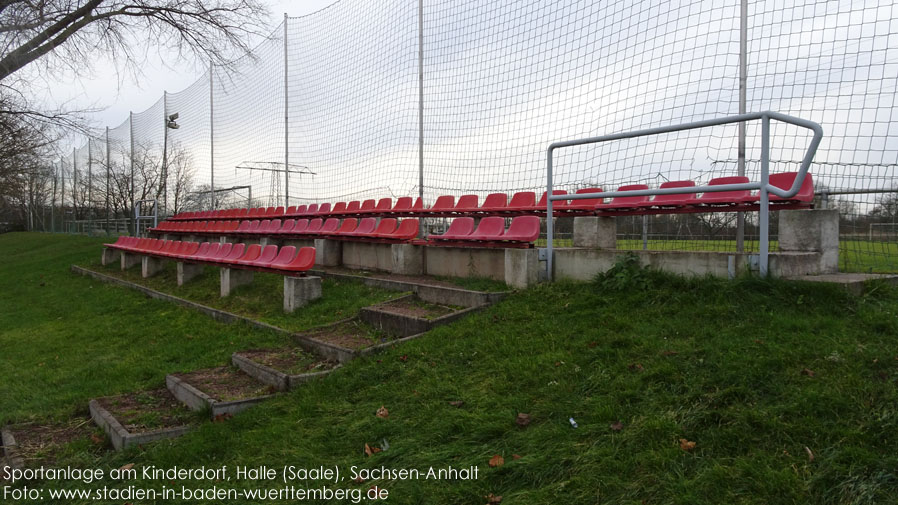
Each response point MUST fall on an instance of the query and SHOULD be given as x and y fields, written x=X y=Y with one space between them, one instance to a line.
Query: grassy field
x=789 y=391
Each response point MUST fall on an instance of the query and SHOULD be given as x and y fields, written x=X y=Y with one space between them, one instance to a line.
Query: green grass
x=716 y=362
x=261 y=300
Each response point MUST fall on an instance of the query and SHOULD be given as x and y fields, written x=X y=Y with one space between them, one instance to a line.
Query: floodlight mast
x=170 y=123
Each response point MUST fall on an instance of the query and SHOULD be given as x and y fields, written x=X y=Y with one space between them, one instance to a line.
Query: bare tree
x=180 y=165
x=65 y=35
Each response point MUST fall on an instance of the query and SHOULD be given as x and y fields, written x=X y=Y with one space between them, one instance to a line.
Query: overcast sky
x=118 y=94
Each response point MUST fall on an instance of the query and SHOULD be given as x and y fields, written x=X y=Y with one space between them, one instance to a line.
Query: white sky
x=117 y=95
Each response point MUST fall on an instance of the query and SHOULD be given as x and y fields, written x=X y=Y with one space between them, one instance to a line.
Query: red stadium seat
x=311 y=210
x=784 y=181
x=459 y=229
x=494 y=202
x=329 y=226
x=385 y=227
x=347 y=226
x=324 y=209
x=384 y=206
x=541 y=205
x=407 y=230
x=523 y=201
x=625 y=202
x=725 y=198
x=284 y=257
x=675 y=200
x=210 y=252
x=303 y=261
x=490 y=228
x=338 y=209
x=522 y=229
x=353 y=207
x=291 y=211
x=587 y=204
x=268 y=255
x=444 y=204
x=287 y=227
x=302 y=225
x=234 y=254
x=314 y=226
x=466 y=204
x=366 y=227
x=367 y=207
x=403 y=204
x=251 y=254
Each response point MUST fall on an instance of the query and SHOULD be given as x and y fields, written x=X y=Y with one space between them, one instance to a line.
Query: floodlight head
x=174 y=117
x=173 y=125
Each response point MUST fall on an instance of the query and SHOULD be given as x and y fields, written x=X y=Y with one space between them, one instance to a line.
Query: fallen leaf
x=220 y=418
x=636 y=367
x=515 y=456
x=557 y=363
x=810 y=453
x=358 y=480
x=96 y=439
x=669 y=353
x=403 y=358
x=491 y=499
x=686 y=445
x=371 y=451
x=457 y=403
x=127 y=467
x=497 y=461
x=593 y=344
x=617 y=426
x=522 y=420
x=382 y=412
x=808 y=372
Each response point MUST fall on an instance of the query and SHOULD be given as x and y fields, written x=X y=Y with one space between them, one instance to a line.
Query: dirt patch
x=412 y=279
x=44 y=444
x=415 y=307
x=145 y=411
x=226 y=384
x=291 y=361
x=351 y=334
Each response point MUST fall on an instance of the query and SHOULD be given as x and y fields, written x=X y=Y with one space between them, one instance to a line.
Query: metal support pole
x=743 y=82
x=90 y=188
x=764 y=213
x=108 y=166
x=74 y=185
x=211 y=138
x=62 y=192
x=421 y=99
x=53 y=204
x=164 y=151
x=645 y=232
x=550 y=228
x=286 y=124
x=133 y=208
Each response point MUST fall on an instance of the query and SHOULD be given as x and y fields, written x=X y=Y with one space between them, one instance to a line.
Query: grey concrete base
x=11 y=455
x=466 y=262
x=129 y=260
x=187 y=271
x=198 y=400
x=110 y=256
x=402 y=325
x=522 y=267
x=584 y=264
x=811 y=231
x=407 y=259
x=232 y=278
x=856 y=284
x=273 y=377
x=150 y=266
x=367 y=256
x=595 y=232
x=120 y=437
x=328 y=253
x=299 y=291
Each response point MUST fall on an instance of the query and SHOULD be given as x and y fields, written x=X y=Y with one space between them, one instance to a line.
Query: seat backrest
x=386 y=226
x=203 y=249
x=288 y=225
x=211 y=251
x=353 y=206
x=367 y=206
x=314 y=225
x=252 y=253
x=786 y=179
x=419 y=204
x=269 y=211
x=630 y=199
x=495 y=201
x=523 y=229
x=403 y=203
x=223 y=251
x=339 y=208
x=366 y=226
x=384 y=205
x=274 y=226
x=312 y=209
x=235 y=253
x=254 y=225
x=348 y=225
x=523 y=199
x=304 y=260
x=301 y=225
x=490 y=228
x=324 y=209
x=279 y=211
x=290 y=210
x=726 y=196
x=269 y=253
x=407 y=230
x=541 y=204
x=330 y=225
x=461 y=226
x=284 y=257
x=301 y=209
x=661 y=199
x=244 y=226
x=466 y=203
x=443 y=203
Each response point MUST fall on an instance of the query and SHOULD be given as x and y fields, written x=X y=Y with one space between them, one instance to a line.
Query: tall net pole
x=165 y=151
x=107 y=180
x=90 y=188
x=421 y=99
x=286 y=122
x=743 y=85
x=131 y=130
x=211 y=134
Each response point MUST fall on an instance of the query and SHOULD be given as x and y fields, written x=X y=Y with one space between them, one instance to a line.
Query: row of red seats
x=490 y=232
x=285 y=260
x=525 y=202
x=709 y=201
x=389 y=229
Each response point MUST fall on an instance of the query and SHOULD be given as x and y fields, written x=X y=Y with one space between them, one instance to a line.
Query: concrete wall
x=368 y=256
x=465 y=262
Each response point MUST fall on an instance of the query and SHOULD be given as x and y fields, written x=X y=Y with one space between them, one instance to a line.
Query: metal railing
x=763 y=186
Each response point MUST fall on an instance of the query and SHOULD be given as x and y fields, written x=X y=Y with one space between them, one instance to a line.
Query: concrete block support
x=129 y=260
x=298 y=291
x=811 y=231
x=328 y=253
x=110 y=256
x=232 y=278
x=407 y=259
x=595 y=232
x=367 y=256
x=521 y=267
x=187 y=271
x=466 y=262
x=150 y=266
